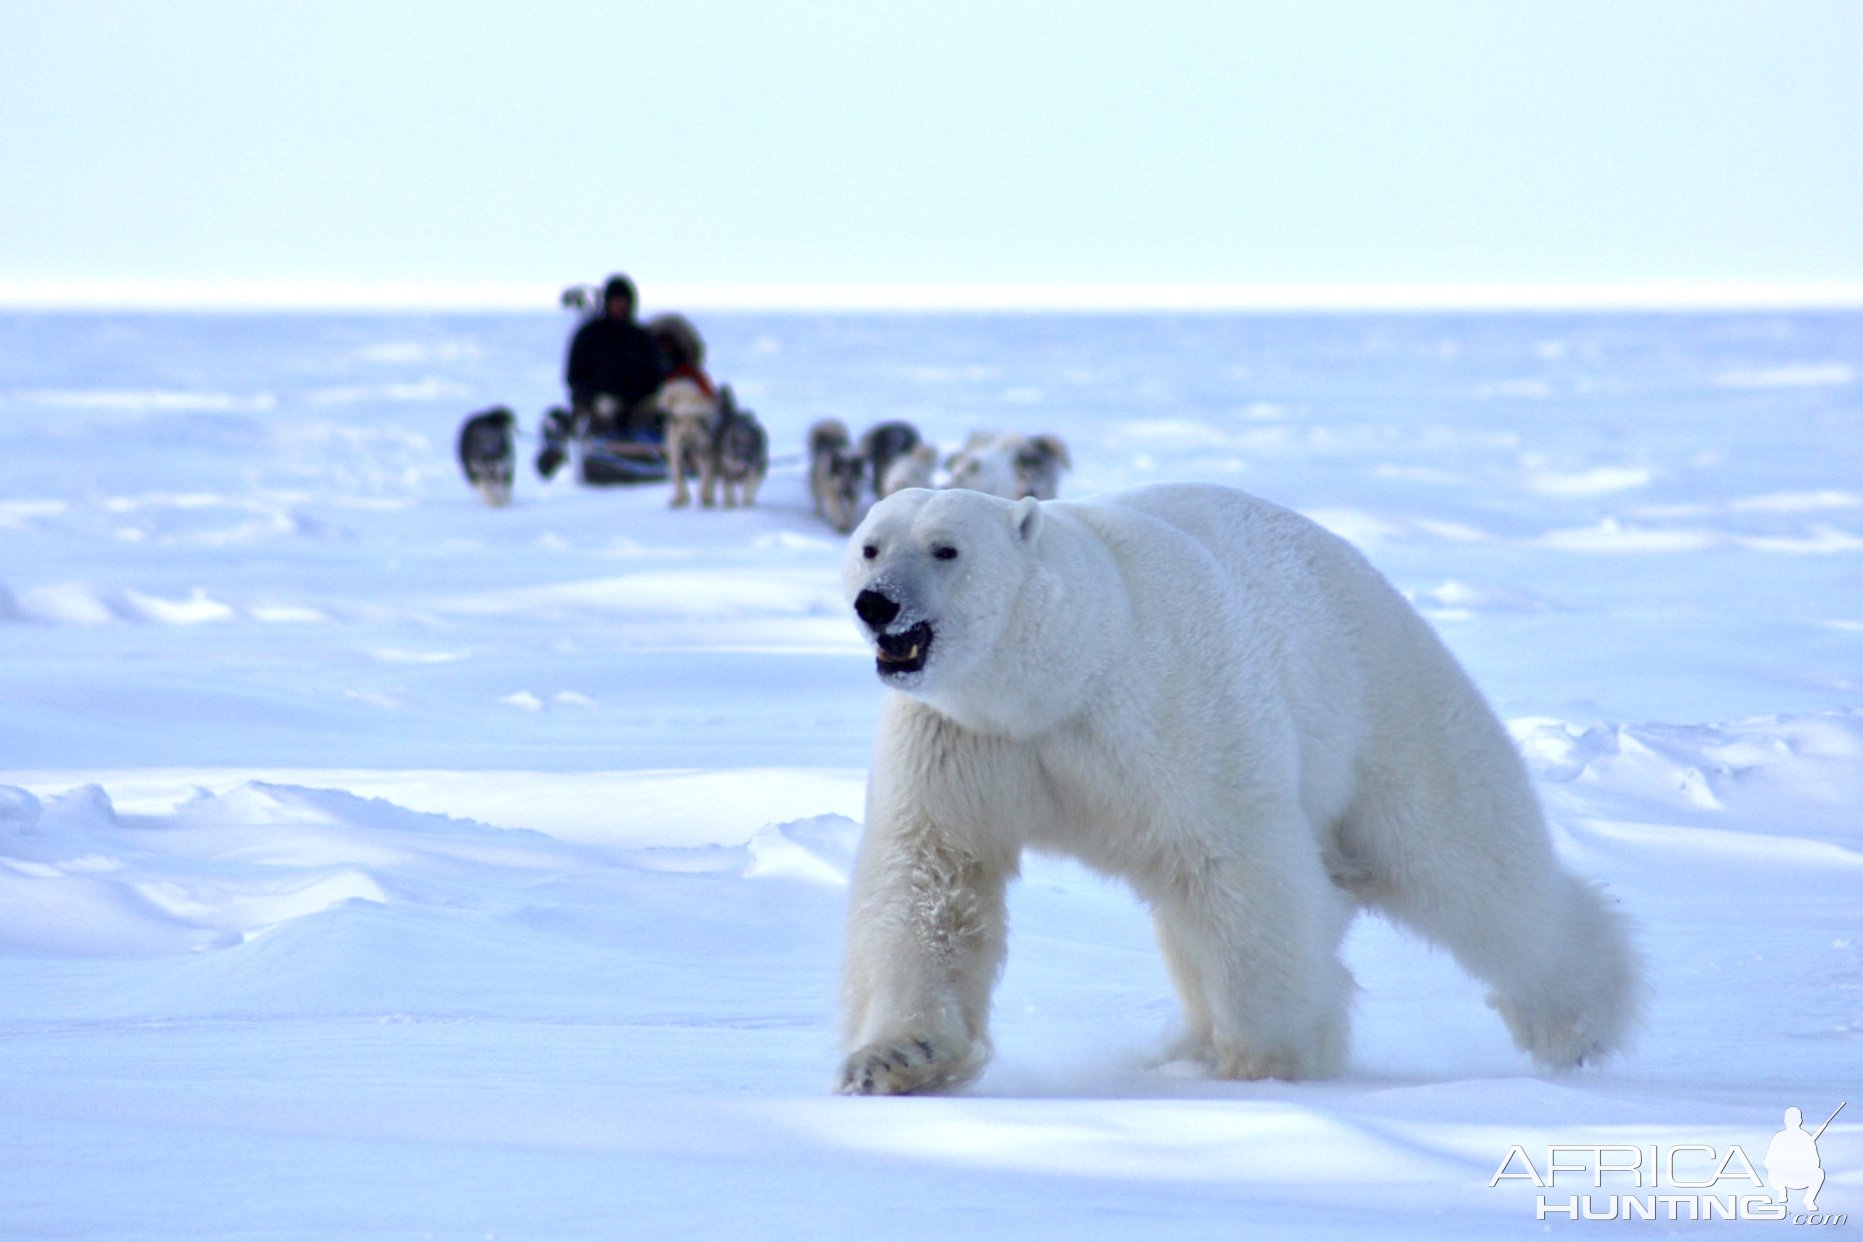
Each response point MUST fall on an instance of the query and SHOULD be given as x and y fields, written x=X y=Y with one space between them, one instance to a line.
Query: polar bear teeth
x=904 y=652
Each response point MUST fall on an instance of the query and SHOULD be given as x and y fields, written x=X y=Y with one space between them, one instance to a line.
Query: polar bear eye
x=870 y=552
x=945 y=552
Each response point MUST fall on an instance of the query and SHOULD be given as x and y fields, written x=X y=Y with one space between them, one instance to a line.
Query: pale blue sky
x=728 y=142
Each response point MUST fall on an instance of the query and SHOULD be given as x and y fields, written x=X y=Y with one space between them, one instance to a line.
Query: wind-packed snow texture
x=377 y=864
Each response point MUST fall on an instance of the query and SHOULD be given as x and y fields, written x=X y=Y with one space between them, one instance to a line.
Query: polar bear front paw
x=1321 y=1053
x=909 y=1064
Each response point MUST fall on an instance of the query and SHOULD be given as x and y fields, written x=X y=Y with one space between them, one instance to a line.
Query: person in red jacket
x=682 y=352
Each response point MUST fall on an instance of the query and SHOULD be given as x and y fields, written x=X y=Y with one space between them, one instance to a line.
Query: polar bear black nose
x=875 y=609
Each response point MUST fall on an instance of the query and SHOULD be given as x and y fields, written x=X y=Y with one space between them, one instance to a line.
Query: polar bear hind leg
x=1469 y=866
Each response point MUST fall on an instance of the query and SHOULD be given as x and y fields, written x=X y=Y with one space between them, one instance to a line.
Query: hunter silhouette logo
x=1792 y=1159
x=1686 y=1181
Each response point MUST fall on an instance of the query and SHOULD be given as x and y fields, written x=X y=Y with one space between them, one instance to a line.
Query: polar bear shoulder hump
x=1228 y=523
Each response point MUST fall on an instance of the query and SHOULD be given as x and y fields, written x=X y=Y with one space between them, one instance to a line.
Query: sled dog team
x=643 y=409
x=891 y=456
x=677 y=425
x=708 y=436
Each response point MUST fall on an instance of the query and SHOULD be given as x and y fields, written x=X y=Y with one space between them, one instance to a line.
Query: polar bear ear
x=1025 y=519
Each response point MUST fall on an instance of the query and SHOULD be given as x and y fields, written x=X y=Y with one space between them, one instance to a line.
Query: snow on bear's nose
x=875 y=609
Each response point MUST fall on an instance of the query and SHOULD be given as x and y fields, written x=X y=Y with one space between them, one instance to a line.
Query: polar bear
x=1226 y=705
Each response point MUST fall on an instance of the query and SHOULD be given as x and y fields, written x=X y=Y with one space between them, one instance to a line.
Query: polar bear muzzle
x=904 y=652
x=898 y=653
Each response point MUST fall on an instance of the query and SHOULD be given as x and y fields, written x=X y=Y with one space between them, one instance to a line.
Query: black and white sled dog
x=835 y=474
x=556 y=431
x=488 y=453
x=1010 y=465
x=884 y=443
x=743 y=450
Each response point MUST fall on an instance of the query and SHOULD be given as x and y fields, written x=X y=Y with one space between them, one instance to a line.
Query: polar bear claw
x=917 y=1063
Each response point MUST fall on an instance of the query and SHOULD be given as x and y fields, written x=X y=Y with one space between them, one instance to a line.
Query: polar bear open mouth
x=904 y=652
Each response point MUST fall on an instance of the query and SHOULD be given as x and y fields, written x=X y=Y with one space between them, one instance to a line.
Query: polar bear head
x=941 y=582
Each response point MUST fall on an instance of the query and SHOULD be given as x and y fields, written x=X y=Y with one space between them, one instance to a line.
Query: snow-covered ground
x=377 y=864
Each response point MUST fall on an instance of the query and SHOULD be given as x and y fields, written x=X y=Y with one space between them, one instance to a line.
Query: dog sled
x=603 y=456
x=717 y=441
x=609 y=445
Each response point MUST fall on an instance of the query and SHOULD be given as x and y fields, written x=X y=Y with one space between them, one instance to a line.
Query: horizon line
x=1101 y=297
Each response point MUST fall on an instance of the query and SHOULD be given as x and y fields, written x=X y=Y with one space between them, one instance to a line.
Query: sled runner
x=603 y=456
x=638 y=458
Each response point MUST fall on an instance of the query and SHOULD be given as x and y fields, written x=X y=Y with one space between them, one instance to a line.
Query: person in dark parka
x=612 y=356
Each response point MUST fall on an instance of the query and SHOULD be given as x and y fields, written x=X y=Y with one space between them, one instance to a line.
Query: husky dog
x=1039 y=464
x=835 y=474
x=913 y=470
x=557 y=430
x=987 y=463
x=692 y=425
x=1009 y=465
x=884 y=443
x=488 y=453
x=743 y=451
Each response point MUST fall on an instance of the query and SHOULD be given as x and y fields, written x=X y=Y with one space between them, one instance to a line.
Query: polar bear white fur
x=1226 y=705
